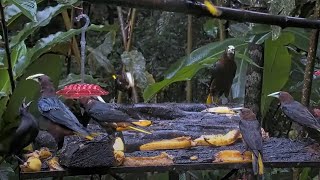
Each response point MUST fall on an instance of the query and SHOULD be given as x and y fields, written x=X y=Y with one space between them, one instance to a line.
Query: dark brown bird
x=106 y=115
x=251 y=134
x=223 y=73
x=124 y=82
x=61 y=121
x=296 y=111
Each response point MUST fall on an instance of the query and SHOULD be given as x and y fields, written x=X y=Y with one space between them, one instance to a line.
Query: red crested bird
x=251 y=134
x=296 y=111
x=61 y=121
x=223 y=73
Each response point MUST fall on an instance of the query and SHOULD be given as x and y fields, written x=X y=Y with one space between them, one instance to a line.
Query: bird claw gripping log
x=83 y=41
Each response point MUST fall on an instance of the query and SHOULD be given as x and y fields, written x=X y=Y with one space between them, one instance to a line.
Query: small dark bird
x=27 y=131
x=62 y=122
x=124 y=82
x=296 y=111
x=223 y=73
x=251 y=134
x=106 y=115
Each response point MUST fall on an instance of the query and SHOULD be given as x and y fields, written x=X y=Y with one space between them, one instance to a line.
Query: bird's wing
x=251 y=134
x=300 y=114
x=105 y=113
x=53 y=109
x=22 y=136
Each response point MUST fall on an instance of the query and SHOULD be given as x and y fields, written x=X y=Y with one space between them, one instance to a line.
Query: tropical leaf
x=277 y=65
x=47 y=43
x=28 y=8
x=43 y=19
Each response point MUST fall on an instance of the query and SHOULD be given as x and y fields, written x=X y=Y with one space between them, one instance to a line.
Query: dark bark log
x=253 y=90
x=239 y=15
x=79 y=153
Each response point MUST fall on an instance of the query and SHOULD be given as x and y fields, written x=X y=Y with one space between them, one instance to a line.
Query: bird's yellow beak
x=114 y=76
x=34 y=77
x=275 y=94
x=237 y=109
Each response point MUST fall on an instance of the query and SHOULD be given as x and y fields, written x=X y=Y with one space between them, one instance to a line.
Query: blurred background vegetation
x=40 y=40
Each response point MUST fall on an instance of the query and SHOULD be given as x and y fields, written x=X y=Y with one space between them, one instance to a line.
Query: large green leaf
x=27 y=7
x=202 y=53
x=277 y=65
x=12 y=12
x=48 y=64
x=43 y=19
x=47 y=43
x=301 y=37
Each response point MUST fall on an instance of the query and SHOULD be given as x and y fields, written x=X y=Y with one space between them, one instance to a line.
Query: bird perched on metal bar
x=222 y=76
x=106 y=115
x=62 y=122
x=251 y=134
x=296 y=111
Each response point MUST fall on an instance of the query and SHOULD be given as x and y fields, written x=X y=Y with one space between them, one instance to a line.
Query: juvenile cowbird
x=61 y=121
x=105 y=114
x=296 y=111
x=251 y=134
x=222 y=76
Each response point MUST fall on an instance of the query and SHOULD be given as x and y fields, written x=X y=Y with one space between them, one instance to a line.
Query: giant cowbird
x=62 y=122
x=27 y=131
x=223 y=73
x=251 y=134
x=296 y=111
x=105 y=114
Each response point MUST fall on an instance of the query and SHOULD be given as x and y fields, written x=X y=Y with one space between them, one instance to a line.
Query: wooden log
x=79 y=153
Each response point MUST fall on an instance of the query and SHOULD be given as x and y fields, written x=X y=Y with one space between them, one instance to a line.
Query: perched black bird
x=251 y=134
x=26 y=132
x=124 y=82
x=223 y=73
x=296 y=111
x=62 y=122
x=105 y=114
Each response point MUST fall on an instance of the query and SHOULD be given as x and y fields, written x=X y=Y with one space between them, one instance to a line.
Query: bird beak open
x=275 y=94
x=34 y=77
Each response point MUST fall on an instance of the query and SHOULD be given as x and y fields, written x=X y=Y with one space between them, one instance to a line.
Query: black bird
x=62 y=122
x=223 y=73
x=105 y=114
x=25 y=134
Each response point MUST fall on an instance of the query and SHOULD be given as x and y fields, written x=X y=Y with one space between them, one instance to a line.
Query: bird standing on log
x=223 y=73
x=106 y=115
x=251 y=133
x=296 y=111
x=62 y=122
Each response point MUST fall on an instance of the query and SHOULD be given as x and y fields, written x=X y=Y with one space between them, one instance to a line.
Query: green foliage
x=28 y=8
x=187 y=67
x=277 y=65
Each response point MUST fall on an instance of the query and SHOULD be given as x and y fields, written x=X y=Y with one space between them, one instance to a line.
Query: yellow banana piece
x=218 y=139
x=142 y=123
x=211 y=8
x=176 y=143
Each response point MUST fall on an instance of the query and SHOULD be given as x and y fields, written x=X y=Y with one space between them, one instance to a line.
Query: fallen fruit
x=176 y=143
x=33 y=164
x=219 y=139
x=161 y=160
x=233 y=156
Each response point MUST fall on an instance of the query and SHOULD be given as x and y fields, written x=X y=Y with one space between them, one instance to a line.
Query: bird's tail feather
x=257 y=163
x=139 y=130
x=209 y=99
x=211 y=8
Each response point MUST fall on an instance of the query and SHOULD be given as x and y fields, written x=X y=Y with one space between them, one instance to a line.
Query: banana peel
x=142 y=123
x=233 y=156
x=33 y=164
x=119 y=157
x=54 y=165
x=163 y=159
x=219 y=139
x=44 y=153
x=176 y=143
x=220 y=110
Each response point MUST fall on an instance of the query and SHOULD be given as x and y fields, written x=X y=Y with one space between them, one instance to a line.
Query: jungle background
x=43 y=37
